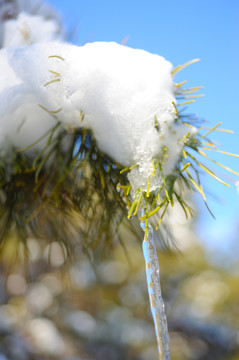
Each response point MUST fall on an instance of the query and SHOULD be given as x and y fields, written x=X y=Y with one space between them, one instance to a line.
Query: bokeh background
x=53 y=309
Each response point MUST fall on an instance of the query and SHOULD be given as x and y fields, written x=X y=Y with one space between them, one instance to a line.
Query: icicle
x=155 y=295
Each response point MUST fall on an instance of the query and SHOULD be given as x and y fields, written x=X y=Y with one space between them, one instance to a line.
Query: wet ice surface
x=155 y=294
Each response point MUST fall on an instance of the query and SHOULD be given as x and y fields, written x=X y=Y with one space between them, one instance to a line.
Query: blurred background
x=84 y=311
x=53 y=309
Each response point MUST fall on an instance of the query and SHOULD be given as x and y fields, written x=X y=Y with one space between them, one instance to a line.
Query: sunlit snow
x=125 y=94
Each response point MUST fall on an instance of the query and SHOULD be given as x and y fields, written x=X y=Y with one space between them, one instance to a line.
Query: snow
x=22 y=121
x=10 y=8
x=23 y=22
x=28 y=29
x=121 y=92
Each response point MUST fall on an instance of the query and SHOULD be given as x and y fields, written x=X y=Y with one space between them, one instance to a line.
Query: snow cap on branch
x=146 y=151
x=126 y=96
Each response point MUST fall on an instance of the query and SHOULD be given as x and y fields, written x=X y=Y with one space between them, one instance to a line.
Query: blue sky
x=181 y=31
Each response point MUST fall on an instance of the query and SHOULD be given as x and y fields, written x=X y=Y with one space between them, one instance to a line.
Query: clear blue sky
x=181 y=31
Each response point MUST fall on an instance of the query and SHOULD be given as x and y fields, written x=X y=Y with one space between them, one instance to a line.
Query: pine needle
x=212 y=129
x=181 y=67
x=207 y=170
x=217 y=163
x=51 y=82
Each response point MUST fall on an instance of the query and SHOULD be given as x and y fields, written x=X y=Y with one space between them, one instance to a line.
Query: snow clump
x=125 y=94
